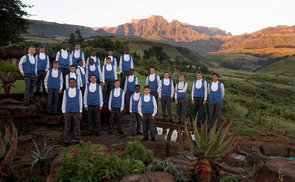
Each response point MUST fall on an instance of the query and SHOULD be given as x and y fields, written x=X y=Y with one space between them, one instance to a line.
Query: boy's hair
x=117 y=80
x=152 y=67
x=199 y=72
x=146 y=86
x=42 y=46
x=72 y=66
x=109 y=49
x=79 y=60
x=72 y=79
x=131 y=69
x=93 y=50
x=181 y=75
x=92 y=75
x=77 y=43
x=55 y=62
x=108 y=58
x=91 y=59
x=216 y=74
x=63 y=43
x=31 y=46
x=137 y=86
x=166 y=72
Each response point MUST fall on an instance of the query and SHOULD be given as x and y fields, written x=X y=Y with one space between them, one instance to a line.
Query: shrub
x=167 y=166
x=136 y=150
x=229 y=179
x=134 y=166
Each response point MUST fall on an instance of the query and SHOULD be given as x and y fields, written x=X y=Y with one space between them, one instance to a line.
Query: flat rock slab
x=149 y=177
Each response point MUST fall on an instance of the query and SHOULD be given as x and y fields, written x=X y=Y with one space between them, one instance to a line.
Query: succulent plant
x=7 y=79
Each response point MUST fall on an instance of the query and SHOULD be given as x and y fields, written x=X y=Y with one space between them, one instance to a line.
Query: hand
x=86 y=108
x=80 y=116
x=23 y=74
x=193 y=101
x=110 y=110
x=160 y=98
x=46 y=90
x=153 y=117
x=121 y=110
x=142 y=117
x=60 y=91
x=65 y=116
x=204 y=102
x=100 y=108
x=176 y=102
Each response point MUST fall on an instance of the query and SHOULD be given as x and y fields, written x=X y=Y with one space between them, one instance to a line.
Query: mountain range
x=197 y=38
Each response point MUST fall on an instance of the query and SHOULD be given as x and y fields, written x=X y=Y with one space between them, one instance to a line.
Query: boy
x=153 y=80
x=93 y=103
x=72 y=111
x=81 y=73
x=109 y=75
x=180 y=98
x=113 y=59
x=93 y=69
x=74 y=75
x=216 y=94
x=199 y=96
x=95 y=59
x=147 y=109
x=166 y=92
x=63 y=57
x=77 y=54
x=126 y=64
x=129 y=87
x=116 y=106
x=135 y=117
x=53 y=85
x=42 y=60
x=28 y=69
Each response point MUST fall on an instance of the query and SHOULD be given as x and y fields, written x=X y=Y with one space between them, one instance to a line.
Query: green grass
x=19 y=87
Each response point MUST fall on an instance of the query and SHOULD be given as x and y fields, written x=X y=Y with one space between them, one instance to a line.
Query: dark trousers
x=109 y=85
x=136 y=124
x=148 y=126
x=72 y=117
x=40 y=80
x=166 y=108
x=115 y=114
x=155 y=94
x=127 y=100
x=94 y=121
x=52 y=103
x=181 y=109
x=199 y=108
x=30 y=81
x=82 y=89
x=215 y=110
x=124 y=74
x=64 y=72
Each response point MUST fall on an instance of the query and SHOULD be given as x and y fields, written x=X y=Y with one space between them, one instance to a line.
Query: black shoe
x=26 y=104
x=110 y=132
x=145 y=139
x=132 y=134
x=32 y=102
x=97 y=134
x=66 y=144
x=77 y=142
x=88 y=133
x=121 y=132
x=139 y=133
x=171 y=121
x=153 y=139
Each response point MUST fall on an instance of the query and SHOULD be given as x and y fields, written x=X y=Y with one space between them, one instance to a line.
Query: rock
x=54 y=165
x=275 y=168
x=45 y=119
x=149 y=177
x=159 y=148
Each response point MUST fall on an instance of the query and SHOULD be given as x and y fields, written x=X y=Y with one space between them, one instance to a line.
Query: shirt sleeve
x=193 y=90
x=122 y=101
x=120 y=64
x=61 y=81
x=176 y=91
x=100 y=96
x=21 y=62
x=102 y=74
x=147 y=80
x=64 y=102
x=130 y=104
x=46 y=80
x=99 y=73
x=115 y=72
x=57 y=56
x=125 y=85
x=172 y=88
x=67 y=81
x=158 y=82
x=87 y=62
x=139 y=107
x=80 y=101
x=83 y=59
x=85 y=96
x=222 y=89
x=71 y=58
x=131 y=59
x=136 y=81
x=48 y=64
x=36 y=71
x=206 y=90
x=155 y=107
x=110 y=100
x=160 y=89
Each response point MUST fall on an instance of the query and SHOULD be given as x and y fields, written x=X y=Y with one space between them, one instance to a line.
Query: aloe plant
x=7 y=79
x=209 y=147
x=41 y=156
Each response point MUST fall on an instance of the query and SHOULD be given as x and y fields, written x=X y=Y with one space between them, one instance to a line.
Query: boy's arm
x=193 y=91
x=64 y=102
x=83 y=59
x=139 y=107
x=206 y=91
x=172 y=89
x=102 y=74
x=46 y=80
x=120 y=64
x=115 y=72
x=100 y=96
x=122 y=101
x=85 y=96
x=155 y=107
x=110 y=100
x=61 y=82
x=48 y=64
x=130 y=104
x=20 y=64
x=131 y=59
x=80 y=101
x=222 y=89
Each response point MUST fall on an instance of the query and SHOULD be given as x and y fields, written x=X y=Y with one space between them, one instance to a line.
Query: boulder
x=149 y=177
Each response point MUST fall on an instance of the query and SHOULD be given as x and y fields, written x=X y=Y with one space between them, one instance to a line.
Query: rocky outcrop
x=149 y=177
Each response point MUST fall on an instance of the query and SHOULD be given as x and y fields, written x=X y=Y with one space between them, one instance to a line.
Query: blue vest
x=201 y=91
x=96 y=62
x=134 y=108
x=181 y=95
x=28 y=67
x=153 y=84
x=83 y=77
x=166 y=89
x=215 y=96
x=131 y=85
x=74 y=59
x=126 y=65
x=116 y=101
x=96 y=72
x=147 y=107
x=64 y=63
x=42 y=63
x=72 y=104
x=53 y=83
x=93 y=98
x=109 y=75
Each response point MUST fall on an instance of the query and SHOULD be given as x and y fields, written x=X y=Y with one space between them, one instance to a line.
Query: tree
x=155 y=51
x=75 y=37
x=13 y=23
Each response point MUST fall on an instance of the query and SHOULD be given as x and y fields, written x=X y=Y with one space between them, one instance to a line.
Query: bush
x=136 y=150
x=134 y=166
x=6 y=66
x=167 y=166
x=229 y=179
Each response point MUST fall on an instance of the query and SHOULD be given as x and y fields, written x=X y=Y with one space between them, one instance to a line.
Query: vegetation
x=136 y=150
x=7 y=79
x=209 y=147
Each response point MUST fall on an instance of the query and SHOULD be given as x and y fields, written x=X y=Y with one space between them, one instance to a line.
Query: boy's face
x=41 y=49
x=152 y=70
x=181 y=78
x=110 y=53
x=77 y=47
x=72 y=69
x=55 y=66
x=146 y=91
x=108 y=61
x=64 y=46
x=93 y=53
x=80 y=63
x=131 y=72
x=93 y=79
x=31 y=51
x=214 y=78
x=72 y=83
x=199 y=76
x=137 y=89
x=117 y=84
x=166 y=75
x=91 y=62
x=126 y=51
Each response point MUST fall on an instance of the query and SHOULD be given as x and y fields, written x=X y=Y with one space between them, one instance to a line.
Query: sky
x=235 y=16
